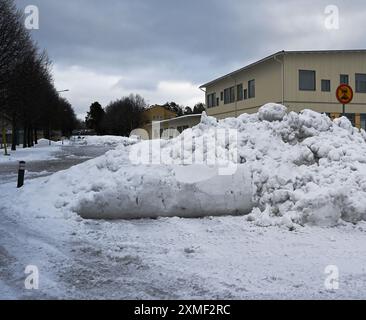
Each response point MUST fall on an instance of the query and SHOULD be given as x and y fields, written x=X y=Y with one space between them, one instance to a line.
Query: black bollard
x=21 y=172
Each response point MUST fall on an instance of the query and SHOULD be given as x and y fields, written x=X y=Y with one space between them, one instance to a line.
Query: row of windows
x=230 y=94
x=307 y=81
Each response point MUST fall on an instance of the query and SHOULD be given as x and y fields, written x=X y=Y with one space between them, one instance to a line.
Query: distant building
x=297 y=79
x=155 y=113
x=173 y=127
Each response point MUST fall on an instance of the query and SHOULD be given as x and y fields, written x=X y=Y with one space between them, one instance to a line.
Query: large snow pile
x=291 y=168
x=306 y=169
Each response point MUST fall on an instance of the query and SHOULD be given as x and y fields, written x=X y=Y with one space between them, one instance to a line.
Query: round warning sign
x=344 y=94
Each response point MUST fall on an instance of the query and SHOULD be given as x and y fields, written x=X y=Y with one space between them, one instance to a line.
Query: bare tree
x=28 y=98
x=123 y=115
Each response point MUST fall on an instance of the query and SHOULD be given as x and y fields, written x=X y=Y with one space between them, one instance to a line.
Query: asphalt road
x=67 y=157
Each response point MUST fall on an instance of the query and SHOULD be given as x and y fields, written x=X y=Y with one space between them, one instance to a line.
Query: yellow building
x=297 y=79
x=173 y=127
x=155 y=114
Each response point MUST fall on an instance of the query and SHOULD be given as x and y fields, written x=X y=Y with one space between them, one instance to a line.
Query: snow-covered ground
x=167 y=258
x=41 y=151
x=301 y=177
x=111 y=141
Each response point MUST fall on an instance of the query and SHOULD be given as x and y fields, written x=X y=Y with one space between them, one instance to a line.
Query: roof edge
x=283 y=52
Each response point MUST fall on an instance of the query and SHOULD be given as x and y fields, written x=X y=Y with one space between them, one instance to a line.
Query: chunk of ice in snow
x=272 y=112
x=161 y=194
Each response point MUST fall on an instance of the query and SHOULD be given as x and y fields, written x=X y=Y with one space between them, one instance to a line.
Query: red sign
x=344 y=94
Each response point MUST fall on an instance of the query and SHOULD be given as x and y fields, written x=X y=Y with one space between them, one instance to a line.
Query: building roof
x=182 y=117
x=279 y=53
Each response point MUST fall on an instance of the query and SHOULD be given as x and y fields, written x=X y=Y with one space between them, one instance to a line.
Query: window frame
x=240 y=92
x=344 y=82
x=326 y=89
x=358 y=90
x=302 y=87
x=245 y=94
x=251 y=89
x=211 y=100
x=226 y=96
x=229 y=95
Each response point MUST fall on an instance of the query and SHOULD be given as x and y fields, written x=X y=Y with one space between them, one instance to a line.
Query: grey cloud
x=193 y=40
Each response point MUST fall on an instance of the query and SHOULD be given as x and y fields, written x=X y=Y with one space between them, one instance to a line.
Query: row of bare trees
x=29 y=101
x=123 y=115
x=119 y=118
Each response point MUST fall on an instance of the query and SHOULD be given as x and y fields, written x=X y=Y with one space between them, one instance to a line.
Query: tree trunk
x=14 y=136
x=35 y=136
x=46 y=133
x=32 y=136
x=25 y=137
x=29 y=136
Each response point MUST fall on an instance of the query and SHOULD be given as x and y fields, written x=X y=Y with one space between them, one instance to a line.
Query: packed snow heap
x=292 y=169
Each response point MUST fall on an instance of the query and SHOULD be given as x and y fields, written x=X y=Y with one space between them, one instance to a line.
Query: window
x=211 y=99
x=226 y=96
x=344 y=79
x=326 y=85
x=217 y=102
x=251 y=89
x=229 y=95
x=232 y=94
x=307 y=80
x=360 y=82
x=245 y=94
x=222 y=96
x=363 y=121
x=239 y=94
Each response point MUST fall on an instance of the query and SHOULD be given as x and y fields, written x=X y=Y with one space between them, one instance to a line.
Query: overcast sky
x=165 y=49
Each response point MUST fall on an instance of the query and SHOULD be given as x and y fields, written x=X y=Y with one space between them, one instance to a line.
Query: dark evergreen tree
x=95 y=118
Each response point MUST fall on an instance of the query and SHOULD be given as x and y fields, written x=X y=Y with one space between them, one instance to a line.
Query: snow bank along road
x=308 y=185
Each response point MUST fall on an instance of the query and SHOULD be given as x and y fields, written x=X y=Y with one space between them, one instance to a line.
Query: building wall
x=156 y=113
x=328 y=66
x=173 y=127
x=181 y=122
x=268 y=77
x=268 y=87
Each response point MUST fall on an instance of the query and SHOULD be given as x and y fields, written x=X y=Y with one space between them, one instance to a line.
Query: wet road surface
x=67 y=157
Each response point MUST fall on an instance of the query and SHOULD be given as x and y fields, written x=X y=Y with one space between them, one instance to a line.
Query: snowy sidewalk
x=41 y=151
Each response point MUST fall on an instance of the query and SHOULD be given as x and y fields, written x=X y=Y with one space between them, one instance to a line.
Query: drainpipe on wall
x=282 y=62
